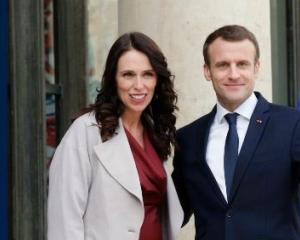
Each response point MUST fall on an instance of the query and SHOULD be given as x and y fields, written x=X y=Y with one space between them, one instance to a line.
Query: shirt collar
x=245 y=109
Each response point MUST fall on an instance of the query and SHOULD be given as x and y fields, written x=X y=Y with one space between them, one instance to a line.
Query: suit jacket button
x=228 y=214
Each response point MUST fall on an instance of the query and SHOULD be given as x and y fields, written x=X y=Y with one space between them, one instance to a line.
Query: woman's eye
x=128 y=75
x=149 y=74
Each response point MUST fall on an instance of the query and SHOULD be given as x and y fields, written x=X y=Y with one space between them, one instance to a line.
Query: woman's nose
x=138 y=83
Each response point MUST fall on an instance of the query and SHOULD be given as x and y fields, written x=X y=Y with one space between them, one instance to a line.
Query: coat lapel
x=204 y=131
x=254 y=133
x=116 y=156
x=174 y=214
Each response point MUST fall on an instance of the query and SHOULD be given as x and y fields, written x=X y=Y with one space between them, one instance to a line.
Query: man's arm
x=180 y=184
x=296 y=150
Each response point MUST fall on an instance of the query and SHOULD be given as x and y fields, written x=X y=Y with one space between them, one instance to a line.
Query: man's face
x=232 y=70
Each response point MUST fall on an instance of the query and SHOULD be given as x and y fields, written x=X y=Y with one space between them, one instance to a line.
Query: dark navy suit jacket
x=263 y=203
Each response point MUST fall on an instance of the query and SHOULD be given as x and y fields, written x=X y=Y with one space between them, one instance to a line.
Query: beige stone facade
x=180 y=28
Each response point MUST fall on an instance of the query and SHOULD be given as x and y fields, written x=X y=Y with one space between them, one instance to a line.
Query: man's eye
x=243 y=64
x=222 y=65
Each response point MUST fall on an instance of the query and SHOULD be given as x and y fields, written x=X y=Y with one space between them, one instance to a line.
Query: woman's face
x=136 y=81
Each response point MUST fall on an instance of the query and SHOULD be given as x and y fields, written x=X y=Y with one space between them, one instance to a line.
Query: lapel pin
x=258 y=121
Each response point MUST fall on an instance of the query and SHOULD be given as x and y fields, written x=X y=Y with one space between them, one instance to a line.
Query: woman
x=108 y=178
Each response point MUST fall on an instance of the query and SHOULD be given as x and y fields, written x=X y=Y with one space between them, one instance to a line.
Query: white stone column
x=180 y=28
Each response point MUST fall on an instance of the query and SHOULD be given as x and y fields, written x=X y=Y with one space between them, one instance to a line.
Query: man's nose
x=234 y=72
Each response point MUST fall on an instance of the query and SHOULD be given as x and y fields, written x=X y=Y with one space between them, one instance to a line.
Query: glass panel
x=102 y=32
x=51 y=126
x=51 y=95
x=49 y=42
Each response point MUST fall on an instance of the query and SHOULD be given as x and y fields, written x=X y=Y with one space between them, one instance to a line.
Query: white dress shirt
x=217 y=136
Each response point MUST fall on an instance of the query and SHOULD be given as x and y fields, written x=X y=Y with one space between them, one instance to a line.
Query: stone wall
x=180 y=28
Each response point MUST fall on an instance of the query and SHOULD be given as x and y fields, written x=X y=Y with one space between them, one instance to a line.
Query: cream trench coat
x=94 y=188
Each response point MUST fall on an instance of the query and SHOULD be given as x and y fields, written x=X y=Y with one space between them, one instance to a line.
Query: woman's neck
x=135 y=127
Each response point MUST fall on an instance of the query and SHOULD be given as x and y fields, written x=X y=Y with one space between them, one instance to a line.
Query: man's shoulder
x=276 y=108
x=284 y=111
x=196 y=124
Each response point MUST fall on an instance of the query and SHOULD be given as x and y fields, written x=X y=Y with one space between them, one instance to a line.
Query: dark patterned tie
x=231 y=150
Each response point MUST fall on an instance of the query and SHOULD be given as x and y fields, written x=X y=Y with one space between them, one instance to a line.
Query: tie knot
x=231 y=118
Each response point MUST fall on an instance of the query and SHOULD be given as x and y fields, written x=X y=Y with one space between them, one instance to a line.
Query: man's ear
x=256 y=68
x=207 y=73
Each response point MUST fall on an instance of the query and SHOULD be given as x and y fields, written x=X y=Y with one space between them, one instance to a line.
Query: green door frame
x=4 y=123
x=27 y=126
x=28 y=171
x=293 y=47
x=70 y=26
x=279 y=52
x=285 y=35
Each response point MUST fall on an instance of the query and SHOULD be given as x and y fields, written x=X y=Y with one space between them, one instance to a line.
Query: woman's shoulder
x=87 y=119
x=81 y=128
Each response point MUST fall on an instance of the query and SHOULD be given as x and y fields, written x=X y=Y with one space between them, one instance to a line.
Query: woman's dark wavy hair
x=159 y=117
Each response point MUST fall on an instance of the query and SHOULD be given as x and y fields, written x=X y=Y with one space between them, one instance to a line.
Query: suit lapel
x=116 y=156
x=204 y=131
x=254 y=133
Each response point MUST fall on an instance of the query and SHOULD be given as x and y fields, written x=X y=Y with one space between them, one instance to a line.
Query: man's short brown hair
x=231 y=33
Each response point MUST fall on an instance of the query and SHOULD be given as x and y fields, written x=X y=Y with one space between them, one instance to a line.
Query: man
x=239 y=173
